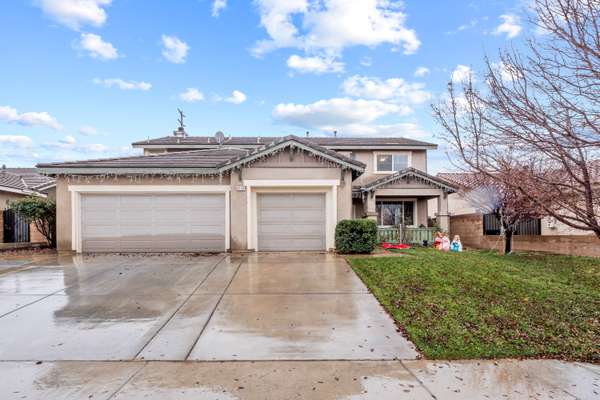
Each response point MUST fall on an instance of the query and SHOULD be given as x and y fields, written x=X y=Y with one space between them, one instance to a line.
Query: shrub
x=40 y=211
x=356 y=236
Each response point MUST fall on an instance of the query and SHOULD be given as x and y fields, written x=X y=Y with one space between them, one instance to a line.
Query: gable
x=292 y=158
x=409 y=178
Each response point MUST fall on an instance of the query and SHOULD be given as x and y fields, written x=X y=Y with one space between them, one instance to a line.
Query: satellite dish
x=220 y=137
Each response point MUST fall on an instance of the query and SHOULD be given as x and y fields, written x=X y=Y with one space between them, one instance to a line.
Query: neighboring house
x=461 y=203
x=192 y=193
x=15 y=184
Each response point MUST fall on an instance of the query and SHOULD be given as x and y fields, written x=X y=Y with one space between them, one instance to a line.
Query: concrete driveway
x=262 y=326
x=177 y=307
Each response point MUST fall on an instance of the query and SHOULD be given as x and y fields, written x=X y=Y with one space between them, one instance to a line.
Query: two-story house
x=218 y=193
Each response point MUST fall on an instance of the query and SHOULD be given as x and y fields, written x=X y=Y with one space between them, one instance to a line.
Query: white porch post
x=443 y=219
x=371 y=206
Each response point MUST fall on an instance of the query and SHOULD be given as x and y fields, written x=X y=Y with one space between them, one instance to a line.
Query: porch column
x=443 y=219
x=371 y=208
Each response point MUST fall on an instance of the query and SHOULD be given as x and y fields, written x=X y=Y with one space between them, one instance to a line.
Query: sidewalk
x=347 y=380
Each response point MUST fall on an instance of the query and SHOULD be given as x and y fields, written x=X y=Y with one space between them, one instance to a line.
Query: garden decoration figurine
x=456 y=245
x=445 y=245
x=437 y=242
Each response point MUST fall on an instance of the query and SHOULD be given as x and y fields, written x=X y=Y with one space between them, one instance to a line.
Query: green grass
x=485 y=305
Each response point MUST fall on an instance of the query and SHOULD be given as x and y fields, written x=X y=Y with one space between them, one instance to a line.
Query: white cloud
x=421 y=72
x=462 y=73
x=31 y=118
x=218 y=6
x=16 y=141
x=69 y=143
x=403 y=129
x=333 y=25
x=352 y=117
x=317 y=65
x=174 y=49
x=366 y=61
x=511 y=26
x=336 y=112
x=394 y=89
x=68 y=140
x=191 y=95
x=97 y=47
x=236 y=97
x=87 y=130
x=76 y=13
x=123 y=84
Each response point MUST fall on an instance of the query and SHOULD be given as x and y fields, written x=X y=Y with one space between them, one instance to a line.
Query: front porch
x=414 y=236
x=400 y=200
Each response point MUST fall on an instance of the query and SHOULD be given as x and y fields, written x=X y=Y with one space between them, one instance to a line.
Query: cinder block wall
x=470 y=229
x=34 y=235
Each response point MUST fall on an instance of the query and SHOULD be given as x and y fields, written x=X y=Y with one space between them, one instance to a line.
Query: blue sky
x=85 y=78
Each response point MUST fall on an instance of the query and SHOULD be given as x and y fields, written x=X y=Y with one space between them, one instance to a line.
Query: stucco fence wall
x=470 y=229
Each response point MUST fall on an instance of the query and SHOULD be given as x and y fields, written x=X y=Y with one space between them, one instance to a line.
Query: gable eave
x=413 y=173
x=290 y=143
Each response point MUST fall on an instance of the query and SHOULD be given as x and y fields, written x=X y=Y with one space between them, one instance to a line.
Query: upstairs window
x=391 y=162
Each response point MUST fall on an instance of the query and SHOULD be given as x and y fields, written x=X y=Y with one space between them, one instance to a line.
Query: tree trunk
x=508 y=239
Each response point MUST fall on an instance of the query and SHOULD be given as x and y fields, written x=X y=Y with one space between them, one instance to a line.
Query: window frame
x=376 y=154
x=415 y=217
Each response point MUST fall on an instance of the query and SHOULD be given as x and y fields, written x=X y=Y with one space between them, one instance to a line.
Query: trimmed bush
x=356 y=236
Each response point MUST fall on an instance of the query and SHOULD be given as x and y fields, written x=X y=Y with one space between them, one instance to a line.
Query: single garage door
x=291 y=221
x=152 y=222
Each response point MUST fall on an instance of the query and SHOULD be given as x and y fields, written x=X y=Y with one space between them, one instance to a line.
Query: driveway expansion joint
x=183 y=303
x=214 y=309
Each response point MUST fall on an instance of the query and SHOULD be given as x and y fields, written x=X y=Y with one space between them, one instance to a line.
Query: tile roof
x=217 y=159
x=470 y=180
x=210 y=158
x=262 y=140
x=464 y=180
x=24 y=179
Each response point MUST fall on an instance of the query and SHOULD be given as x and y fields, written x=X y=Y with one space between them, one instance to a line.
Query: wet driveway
x=178 y=307
x=224 y=327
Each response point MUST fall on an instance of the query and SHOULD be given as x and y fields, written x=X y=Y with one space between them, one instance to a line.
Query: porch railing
x=408 y=236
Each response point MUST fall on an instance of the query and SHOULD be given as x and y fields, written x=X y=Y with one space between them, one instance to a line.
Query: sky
x=83 y=79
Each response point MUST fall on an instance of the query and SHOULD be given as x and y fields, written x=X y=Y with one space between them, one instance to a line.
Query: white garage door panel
x=291 y=221
x=153 y=223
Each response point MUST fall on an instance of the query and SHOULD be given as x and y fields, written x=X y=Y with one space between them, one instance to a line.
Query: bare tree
x=509 y=206
x=534 y=127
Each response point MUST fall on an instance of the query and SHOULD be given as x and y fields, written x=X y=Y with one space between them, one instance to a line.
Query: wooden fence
x=405 y=235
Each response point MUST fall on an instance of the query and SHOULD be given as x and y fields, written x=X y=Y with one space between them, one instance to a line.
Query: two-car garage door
x=153 y=222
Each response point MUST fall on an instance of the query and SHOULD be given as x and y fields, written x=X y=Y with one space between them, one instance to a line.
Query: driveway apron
x=289 y=306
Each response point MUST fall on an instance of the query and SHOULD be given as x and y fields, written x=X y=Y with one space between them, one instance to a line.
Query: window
x=395 y=213
x=391 y=162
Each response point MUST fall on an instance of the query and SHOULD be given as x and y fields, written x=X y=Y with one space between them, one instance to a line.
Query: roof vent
x=220 y=137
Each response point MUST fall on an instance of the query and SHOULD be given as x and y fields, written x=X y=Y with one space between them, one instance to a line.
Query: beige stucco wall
x=6 y=197
x=277 y=167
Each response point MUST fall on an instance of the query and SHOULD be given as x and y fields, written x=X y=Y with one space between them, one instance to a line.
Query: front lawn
x=483 y=305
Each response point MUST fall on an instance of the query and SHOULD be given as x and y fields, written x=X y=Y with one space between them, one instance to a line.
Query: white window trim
x=327 y=186
x=415 y=211
x=391 y=153
x=78 y=190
